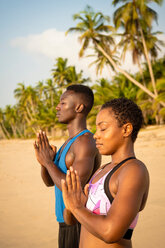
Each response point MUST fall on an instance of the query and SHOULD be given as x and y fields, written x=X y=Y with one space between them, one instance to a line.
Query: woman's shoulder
x=134 y=170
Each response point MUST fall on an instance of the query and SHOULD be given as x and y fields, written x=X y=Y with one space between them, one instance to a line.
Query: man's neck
x=76 y=127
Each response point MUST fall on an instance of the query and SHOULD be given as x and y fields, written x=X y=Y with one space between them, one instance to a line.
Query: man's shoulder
x=85 y=138
x=85 y=141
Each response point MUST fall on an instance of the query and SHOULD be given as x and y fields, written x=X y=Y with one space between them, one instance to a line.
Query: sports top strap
x=106 y=183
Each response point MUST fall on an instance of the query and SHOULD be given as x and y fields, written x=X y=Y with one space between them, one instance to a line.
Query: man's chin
x=62 y=121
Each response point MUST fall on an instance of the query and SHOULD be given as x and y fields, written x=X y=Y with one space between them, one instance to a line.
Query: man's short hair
x=86 y=94
x=125 y=111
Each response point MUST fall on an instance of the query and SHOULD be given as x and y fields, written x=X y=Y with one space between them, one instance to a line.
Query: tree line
x=132 y=25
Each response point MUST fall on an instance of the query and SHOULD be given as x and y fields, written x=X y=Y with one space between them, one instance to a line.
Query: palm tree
x=92 y=28
x=74 y=77
x=101 y=61
x=28 y=99
x=136 y=19
x=60 y=72
x=27 y=96
x=151 y=109
x=65 y=75
x=11 y=118
x=51 y=93
x=40 y=89
x=4 y=131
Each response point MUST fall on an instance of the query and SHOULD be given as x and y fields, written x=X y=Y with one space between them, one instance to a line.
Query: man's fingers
x=42 y=139
x=35 y=145
x=54 y=148
x=38 y=140
x=45 y=139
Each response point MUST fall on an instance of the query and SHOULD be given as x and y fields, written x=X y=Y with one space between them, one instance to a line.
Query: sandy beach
x=27 y=206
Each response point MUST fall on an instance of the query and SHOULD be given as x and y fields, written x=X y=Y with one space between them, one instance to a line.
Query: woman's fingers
x=64 y=186
x=68 y=181
x=73 y=178
x=78 y=181
x=64 y=190
x=86 y=189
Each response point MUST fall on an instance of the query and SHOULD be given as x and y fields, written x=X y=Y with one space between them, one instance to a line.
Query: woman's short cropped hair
x=125 y=111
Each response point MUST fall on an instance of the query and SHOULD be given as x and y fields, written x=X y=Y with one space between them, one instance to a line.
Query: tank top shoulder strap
x=106 y=183
x=81 y=133
x=72 y=140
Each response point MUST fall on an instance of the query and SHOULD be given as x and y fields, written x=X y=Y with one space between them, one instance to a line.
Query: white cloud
x=53 y=43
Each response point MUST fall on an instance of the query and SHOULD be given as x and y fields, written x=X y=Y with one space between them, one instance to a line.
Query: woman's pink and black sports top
x=100 y=198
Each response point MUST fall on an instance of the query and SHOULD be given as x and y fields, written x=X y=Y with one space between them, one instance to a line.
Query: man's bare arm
x=46 y=177
x=84 y=153
x=45 y=154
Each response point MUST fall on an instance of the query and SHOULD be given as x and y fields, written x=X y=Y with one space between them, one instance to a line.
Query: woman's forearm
x=95 y=224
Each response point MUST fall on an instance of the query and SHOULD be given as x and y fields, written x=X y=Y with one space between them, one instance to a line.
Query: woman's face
x=108 y=136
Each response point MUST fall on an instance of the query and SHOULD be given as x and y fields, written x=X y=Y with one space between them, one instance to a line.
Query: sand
x=27 y=206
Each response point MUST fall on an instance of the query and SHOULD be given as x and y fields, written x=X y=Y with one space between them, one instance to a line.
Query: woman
x=118 y=190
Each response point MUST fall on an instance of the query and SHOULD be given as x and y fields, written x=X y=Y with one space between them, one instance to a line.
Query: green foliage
x=36 y=105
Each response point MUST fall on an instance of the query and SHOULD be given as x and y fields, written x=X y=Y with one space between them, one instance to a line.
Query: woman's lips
x=98 y=145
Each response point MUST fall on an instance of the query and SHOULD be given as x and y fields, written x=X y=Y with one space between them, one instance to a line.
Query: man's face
x=66 y=109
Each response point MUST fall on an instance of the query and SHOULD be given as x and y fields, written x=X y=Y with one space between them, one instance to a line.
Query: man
x=79 y=151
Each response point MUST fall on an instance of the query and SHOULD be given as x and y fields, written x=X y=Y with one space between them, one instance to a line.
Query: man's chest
x=69 y=158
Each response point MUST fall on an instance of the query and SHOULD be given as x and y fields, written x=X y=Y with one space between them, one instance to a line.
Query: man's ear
x=127 y=129
x=79 y=108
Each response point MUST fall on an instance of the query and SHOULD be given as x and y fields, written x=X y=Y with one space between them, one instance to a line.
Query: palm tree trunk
x=19 y=132
x=32 y=106
x=14 y=131
x=149 y=63
x=150 y=67
x=28 y=113
x=5 y=131
x=126 y=74
x=141 y=72
x=2 y=134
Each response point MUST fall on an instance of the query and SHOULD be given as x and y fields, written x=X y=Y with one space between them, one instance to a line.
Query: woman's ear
x=79 y=108
x=127 y=128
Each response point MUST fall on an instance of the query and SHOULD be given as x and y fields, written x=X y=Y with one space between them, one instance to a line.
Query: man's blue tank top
x=60 y=163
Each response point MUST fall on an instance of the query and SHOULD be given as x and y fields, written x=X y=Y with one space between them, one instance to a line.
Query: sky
x=33 y=37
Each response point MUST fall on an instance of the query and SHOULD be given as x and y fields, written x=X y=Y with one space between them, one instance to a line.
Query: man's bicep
x=84 y=153
x=84 y=167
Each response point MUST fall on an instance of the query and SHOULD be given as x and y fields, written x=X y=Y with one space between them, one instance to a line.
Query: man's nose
x=58 y=107
x=95 y=135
